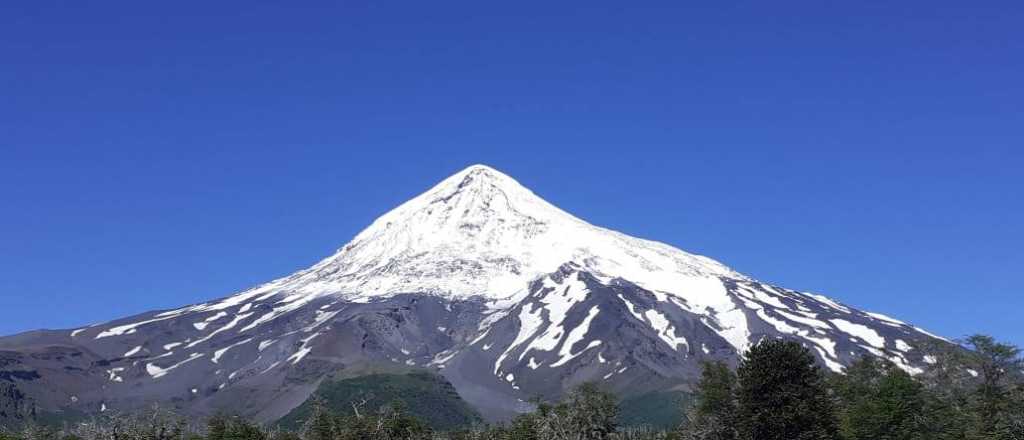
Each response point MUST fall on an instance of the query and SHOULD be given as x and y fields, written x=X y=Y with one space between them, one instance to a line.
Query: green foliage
x=586 y=413
x=222 y=427
x=877 y=400
x=654 y=410
x=423 y=395
x=781 y=395
x=998 y=365
x=972 y=392
x=320 y=424
x=714 y=415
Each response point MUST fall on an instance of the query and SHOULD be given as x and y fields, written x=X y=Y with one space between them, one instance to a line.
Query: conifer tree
x=781 y=395
x=714 y=415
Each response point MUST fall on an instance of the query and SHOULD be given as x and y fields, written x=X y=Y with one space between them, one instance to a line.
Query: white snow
x=930 y=334
x=557 y=304
x=217 y=354
x=632 y=309
x=824 y=343
x=295 y=358
x=479 y=232
x=885 y=319
x=202 y=325
x=831 y=364
x=156 y=372
x=133 y=351
x=860 y=331
x=666 y=331
x=443 y=357
x=763 y=296
x=830 y=303
x=275 y=364
x=227 y=327
x=510 y=235
x=576 y=335
x=779 y=325
x=809 y=321
x=113 y=372
x=902 y=345
x=902 y=363
x=710 y=299
x=130 y=328
x=529 y=323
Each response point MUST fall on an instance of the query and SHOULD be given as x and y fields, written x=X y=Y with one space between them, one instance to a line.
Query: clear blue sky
x=159 y=155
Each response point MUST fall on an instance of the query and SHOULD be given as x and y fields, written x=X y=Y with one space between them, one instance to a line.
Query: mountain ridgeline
x=479 y=281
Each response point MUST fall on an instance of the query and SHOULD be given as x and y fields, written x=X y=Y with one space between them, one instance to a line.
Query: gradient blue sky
x=159 y=155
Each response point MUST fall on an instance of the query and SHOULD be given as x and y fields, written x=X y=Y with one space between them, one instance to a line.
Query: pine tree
x=713 y=417
x=781 y=395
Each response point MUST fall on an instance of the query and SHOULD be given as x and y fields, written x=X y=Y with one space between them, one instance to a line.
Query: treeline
x=974 y=392
x=778 y=392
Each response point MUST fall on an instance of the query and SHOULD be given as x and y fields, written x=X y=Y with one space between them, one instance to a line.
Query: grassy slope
x=424 y=395
x=657 y=410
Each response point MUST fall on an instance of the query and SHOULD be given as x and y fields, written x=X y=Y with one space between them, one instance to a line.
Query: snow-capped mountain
x=504 y=294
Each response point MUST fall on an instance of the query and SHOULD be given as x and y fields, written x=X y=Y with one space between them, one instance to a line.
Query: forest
x=972 y=390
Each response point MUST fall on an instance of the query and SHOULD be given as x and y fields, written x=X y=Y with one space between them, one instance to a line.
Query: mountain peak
x=480 y=174
x=481 y=233
x=482 y=187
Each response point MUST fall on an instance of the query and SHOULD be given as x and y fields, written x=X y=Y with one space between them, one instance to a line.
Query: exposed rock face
x=506 y=295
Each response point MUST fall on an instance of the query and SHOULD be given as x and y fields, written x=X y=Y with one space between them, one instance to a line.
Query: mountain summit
x=478 y=279
x=481 y=233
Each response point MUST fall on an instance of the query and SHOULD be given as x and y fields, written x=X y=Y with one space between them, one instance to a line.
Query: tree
x=972 y=389
x=880 y=401
x=714 y=415
x=320 y=425
x=586 y=413
x=997 y=366
x=217 y=427
x=592 y=412
x=781 y=395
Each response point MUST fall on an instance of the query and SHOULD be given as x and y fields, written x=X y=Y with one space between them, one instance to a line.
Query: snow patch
x=576 y=335
x=217 y=354
x=156 y=372
x=860 y=331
